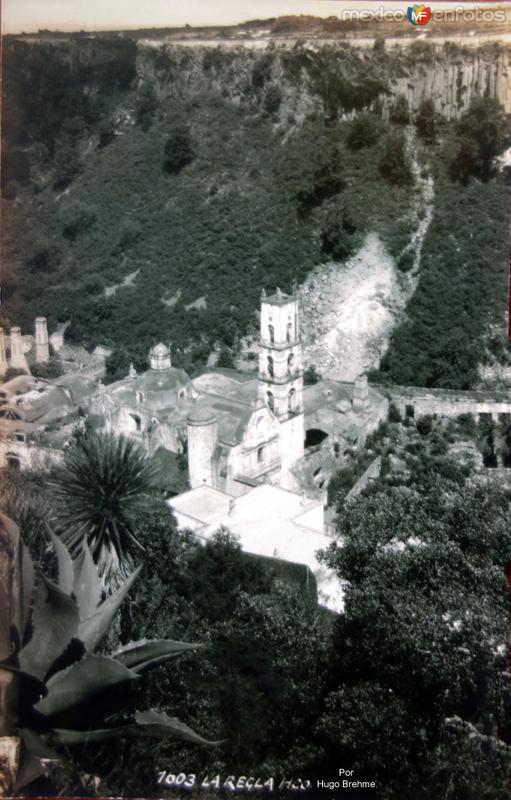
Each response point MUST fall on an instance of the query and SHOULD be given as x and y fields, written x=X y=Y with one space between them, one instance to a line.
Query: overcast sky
x=30 y=15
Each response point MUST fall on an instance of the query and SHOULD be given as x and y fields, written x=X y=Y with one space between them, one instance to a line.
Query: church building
x=239 y=429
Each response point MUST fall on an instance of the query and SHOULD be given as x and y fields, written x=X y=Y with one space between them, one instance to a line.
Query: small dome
x=159 y=357
x=160 y=351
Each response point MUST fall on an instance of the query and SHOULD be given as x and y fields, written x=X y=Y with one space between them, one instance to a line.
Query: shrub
x=399 y=112
x=225 y=358
x=145 y=105
x=77 y=219
x=425 y=425
x=272 y=99
x=310 y=376
x=467 y=424
x=338 y=240
x=406 y=261
x=364 y=131
x=394 y=413
x=178 y=150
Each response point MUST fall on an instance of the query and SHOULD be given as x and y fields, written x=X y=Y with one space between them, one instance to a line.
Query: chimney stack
x=3 y=355
x=42 y=349
x=18 y=360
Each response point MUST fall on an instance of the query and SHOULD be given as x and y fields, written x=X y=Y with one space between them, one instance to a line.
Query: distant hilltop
x=353 y=23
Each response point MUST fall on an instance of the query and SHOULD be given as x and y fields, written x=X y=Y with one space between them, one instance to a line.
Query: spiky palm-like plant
x=62 y=693
x=99 y=490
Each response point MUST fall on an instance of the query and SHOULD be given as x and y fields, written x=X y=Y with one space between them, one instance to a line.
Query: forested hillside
x=151 y=192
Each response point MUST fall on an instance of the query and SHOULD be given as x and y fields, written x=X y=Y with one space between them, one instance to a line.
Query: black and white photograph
x=255 y=400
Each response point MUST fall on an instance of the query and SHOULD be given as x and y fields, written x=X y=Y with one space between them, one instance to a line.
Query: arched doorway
x=13 y=461
x=314 y=437
x=136 y=422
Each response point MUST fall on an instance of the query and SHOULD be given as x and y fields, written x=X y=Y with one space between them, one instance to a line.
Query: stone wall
x=447 y=403
x=372 y=473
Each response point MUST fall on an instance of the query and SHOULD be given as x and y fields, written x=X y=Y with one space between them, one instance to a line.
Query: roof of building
x=231 y=416
x=228 y=383
x=50 y=405
x=79 y=386
x=202 y=504
x=268 y=521
x=159 y=388
x=162 y=380
x=20 y=384
x=278 y=298
x=326 y=393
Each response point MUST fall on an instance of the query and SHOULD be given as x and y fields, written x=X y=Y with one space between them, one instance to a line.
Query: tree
x=481 y=130
x=119 y=362
x=311 y=376
x=416 y=693
x=364 y=131
x=272 y=98
x=338 y=234
x=394 y=163
x=257 y=685
x=425 y=424
x=178 y=150
x=103 y=482
x=464 y=163
x=394 y=413
x=399 y=112
x=48 y=370
x=425 y=121
x=225 y=358
x=145 y=105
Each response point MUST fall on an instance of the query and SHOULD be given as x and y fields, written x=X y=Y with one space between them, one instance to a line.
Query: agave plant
x=103 y=483
x=61 y=692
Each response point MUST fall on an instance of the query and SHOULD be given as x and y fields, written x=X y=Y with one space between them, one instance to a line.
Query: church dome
x=163 y=388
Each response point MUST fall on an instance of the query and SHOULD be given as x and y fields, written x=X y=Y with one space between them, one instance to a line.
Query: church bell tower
x=281 y=374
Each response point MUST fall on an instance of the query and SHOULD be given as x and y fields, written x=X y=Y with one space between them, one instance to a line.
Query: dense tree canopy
x=418 y=693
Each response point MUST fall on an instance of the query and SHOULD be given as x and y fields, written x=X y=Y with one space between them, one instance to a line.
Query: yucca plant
x=61 y=692
x=102 y=485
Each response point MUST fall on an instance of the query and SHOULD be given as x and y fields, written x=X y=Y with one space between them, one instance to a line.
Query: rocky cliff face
x=308 y=76
x=451 y=81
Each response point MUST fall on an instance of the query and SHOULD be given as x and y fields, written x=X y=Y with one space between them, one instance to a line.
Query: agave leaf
x=54 y=621
x=159 y=725
x=150 y=653
x=92 y=629
x=27 y=583
x=154 y=724
x=65 y=564
x=81 y=682
x=71 y=737
x=87 y=583
x=21 y=693
x=29 y=770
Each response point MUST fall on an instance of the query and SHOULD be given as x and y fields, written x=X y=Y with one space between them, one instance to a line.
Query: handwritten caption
x=233 y=783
